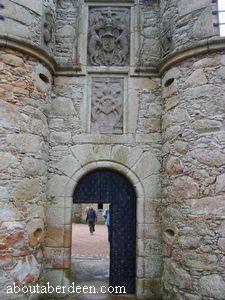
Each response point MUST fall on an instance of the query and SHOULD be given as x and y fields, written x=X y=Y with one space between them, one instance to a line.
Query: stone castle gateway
x=135 y=87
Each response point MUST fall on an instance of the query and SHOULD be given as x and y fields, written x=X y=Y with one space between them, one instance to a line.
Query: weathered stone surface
x=34 y=5
x=88 y=153
x=174 y=166
x=185 y=188
x=26 y=189
x=36 y=232
x=117 y=54
x=24 y=152
x=221 y=229
x=26 y=271
x=212 y=286
x=62 y=106
x=220 y=183
x=24 y=142
x=185 y=193
x=175 y=116
x=208 y=206
x=9 y=115
x=147 y=165
x=13 y=60
x=60 y=137
x=54 y=236
x=7 y=160
x=206 y=125
x=57 y=185
x=206 y=62
x=185 y=8
x=211 y=158
x=190 y=242
x=68 y=165
x=152 y=186
x=221 y=72
x=171 y=102
x=8 y=213
x=204 y=91
x=5 y=261
x=203 y=261
x=126 y=155
x=196 y=78
x=107 y=105
x=221 y=244
x=181 y=147
x=175 y=275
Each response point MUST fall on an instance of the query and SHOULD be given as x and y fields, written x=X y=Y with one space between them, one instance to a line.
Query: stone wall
x=25 y=87
x=30 y=20
x=193 y=167
x=66 y=32
x=186 y=22
x=149 y=34
x=73 y=149
x=108 y=111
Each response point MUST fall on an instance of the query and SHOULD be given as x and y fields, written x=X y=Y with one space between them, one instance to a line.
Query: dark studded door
x=107 y=186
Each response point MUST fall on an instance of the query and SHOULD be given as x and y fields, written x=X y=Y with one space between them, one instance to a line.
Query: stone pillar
x=194 y=179
x=24 y=92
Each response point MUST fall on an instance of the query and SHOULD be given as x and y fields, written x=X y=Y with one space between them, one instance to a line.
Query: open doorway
x=108 y=186
x=90 y=255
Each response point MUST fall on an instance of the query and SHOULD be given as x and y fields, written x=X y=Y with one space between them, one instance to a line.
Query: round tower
x=25 y=87
x=193 y=73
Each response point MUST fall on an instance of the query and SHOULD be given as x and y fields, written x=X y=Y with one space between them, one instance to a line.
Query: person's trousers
x=109 y=233
x=91 y=225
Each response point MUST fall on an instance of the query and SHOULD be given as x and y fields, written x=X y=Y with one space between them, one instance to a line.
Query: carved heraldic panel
x=107 y=105
x=108 y=36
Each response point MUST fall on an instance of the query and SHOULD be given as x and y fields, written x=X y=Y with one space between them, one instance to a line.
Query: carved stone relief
x=107 y=105
x=108 y=36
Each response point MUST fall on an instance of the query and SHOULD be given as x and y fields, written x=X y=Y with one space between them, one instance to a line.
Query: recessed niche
x=170 y=232
x=37 y=232
x=169 y=82
x=44 y=78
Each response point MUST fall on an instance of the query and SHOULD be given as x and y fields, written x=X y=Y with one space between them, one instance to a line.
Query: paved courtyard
x=84 y=244
x=90 y=261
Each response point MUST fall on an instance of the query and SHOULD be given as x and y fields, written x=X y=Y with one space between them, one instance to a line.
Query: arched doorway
x=108 y=186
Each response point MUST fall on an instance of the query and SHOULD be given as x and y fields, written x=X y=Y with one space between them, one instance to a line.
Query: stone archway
x=142 y=169
x=109 y=186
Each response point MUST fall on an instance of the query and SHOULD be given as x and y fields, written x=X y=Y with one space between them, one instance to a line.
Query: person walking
x=106 y=215
x=91 y=219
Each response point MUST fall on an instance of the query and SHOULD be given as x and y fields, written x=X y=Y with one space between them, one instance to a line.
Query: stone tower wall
x=25 y=93
x=185 y=23
x=31 y=21
x=193 y=152
x=193 y=178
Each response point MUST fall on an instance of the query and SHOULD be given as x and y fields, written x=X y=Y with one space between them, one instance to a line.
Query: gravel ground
x=84 y=244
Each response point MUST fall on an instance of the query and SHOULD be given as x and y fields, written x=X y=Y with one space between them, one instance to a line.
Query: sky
x=221 y=6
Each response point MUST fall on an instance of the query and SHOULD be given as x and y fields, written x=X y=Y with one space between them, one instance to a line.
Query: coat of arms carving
x=108 y=36
x=107 y=105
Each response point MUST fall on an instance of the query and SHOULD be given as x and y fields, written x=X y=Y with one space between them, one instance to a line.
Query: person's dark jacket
x=91 y=215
